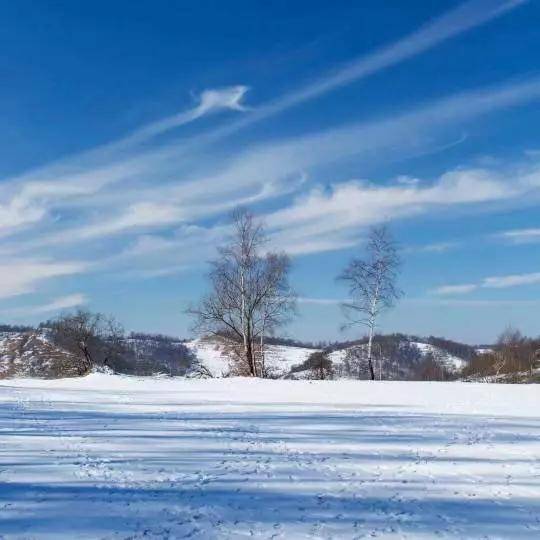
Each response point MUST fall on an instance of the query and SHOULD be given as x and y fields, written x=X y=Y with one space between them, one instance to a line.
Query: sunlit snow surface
x=117 y=457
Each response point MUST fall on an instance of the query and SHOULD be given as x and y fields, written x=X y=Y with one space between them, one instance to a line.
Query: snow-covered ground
x=115 y=457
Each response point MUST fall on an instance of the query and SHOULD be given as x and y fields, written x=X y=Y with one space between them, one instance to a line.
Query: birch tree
x=371 y=282
x=250 y=294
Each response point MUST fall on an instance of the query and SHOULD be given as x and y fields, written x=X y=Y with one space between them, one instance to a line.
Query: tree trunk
x=372 y=318
x=88 y=361
x=262 y=374
x=249 y=355
x=370 y=348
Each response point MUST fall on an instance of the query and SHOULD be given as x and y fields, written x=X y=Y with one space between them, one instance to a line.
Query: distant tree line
x=146 y=336
x=513 y=358
x=15 y=328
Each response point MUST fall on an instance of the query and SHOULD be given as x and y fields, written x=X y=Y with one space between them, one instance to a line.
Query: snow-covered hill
x=281 y=359
x=32 y=354
x=451 y=362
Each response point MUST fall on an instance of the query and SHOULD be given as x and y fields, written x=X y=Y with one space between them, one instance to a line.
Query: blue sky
x=131 y=129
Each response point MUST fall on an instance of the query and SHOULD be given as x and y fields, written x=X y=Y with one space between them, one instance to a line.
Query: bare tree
x=320 y=365
x=250 y=294
x=509 y=350
x=372 y=284
x=93 y=337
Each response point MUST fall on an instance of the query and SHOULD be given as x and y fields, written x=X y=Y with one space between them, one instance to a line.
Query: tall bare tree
x=372 y=284
x=250 y=293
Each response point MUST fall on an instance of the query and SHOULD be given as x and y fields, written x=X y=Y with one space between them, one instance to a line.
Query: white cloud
x=210 y=101
x=503 y=282
x=80 y=177
x=58 y=304
x=139 y=185
x=471 y=303
x=331 y=218
x=157 y=272
x=520 y=236
x=88 y=198
x=407 y=180
x=455 y=289
x=492 y=282
x=23 y=276
x=138 y=215
x=437 y=247
x=105 y=199
x=29 y=199
x=452 y=23
x=320 y=301
x=319 y=220
x=126 y=200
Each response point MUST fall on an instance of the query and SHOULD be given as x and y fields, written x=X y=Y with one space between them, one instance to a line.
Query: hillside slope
x=31 y=353
x=398 y=362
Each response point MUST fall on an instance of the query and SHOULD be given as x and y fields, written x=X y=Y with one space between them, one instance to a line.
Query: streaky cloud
x=58 y=304
x=455 y=289
x=513 y=280
x=491 y=282
x=452 y=23
x=520 y=236
x=211 y=101
x=21 y=276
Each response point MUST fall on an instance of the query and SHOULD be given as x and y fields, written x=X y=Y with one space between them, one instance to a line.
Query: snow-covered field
x=116 y=457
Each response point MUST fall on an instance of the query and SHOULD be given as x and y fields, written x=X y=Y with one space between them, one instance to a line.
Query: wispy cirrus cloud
x=24 y=275
x=436 y=247
x=58 y=304
x=141 y=185
x=124 y=200
x=271 y=166
x=520 y=236
x=465 y=17
x=29 y=198
x=513 y=280
x=331 y=218
x=81 y=175
x=210 y=101
x=451 y=290
x=321 y=301
x=472 y=303
x=491 y=282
